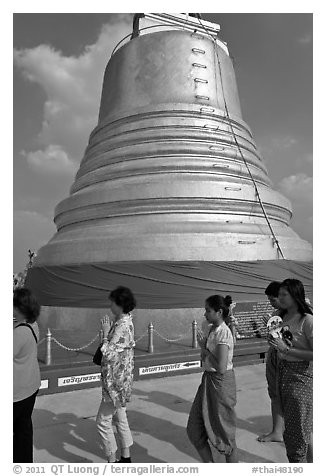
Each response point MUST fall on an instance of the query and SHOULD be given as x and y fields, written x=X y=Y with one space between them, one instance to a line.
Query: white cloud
x=306 y=159
x=297 y=187
x=284 y=142
x=52 y=160
x=23 y=216
x=274 y=147
x=73 y=89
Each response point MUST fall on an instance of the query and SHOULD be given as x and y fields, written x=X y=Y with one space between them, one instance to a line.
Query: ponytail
x=218 y=302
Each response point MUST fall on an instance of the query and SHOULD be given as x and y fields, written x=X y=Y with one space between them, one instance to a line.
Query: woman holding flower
x=295 y=372
x=212 y=419
x=117 y=374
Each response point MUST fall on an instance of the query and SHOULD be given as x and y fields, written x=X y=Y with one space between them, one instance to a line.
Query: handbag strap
x=27 y=325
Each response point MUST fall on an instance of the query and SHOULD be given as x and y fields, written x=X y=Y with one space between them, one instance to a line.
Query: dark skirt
x=272 y=374
x=296 y=399
x=212 y=417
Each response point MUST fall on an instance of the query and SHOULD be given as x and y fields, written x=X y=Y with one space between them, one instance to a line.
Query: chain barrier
x=172 y=340
x=96 y=337
x=85 y=346
x=40 y=342
x=139 y=338
x=148 y=333
x=78 y=348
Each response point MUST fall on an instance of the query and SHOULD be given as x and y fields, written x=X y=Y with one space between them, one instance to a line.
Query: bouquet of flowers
x=274 y=326
x=277 y=330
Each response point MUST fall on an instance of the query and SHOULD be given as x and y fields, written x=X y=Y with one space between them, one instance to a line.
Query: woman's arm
x=201 y=339
x=119 y=341
x=300 y=353
x=219 y=359
x=282 y=347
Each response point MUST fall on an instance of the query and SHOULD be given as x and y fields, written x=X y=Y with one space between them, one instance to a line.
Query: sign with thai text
x=78 y=379
x=251 y=318
x=173 y=367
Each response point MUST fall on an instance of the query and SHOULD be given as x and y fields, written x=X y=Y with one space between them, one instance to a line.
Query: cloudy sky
x=59 y=61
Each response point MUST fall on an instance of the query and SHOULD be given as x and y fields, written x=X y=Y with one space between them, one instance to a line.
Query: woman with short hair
x=271 y=372
x=26 y=372
x=117 y=374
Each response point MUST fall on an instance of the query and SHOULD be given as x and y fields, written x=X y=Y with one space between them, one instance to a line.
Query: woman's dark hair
x=273 y=289
x=26 y=303
x=218 y=302
x=296 y=290
x=123 y=298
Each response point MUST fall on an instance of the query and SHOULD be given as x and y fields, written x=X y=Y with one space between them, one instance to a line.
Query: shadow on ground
x=69 y=438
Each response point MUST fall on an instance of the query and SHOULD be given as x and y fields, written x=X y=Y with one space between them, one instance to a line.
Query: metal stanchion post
x=150 y=338
x=48 y=356
x=194 y=335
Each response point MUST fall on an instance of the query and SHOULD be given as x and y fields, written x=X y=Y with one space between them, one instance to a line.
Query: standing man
x=271 y=374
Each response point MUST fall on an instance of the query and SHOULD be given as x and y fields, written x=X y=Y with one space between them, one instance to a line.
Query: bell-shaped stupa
x=171 y=172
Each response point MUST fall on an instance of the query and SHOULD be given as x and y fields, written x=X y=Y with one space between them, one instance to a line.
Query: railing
x=149 y=333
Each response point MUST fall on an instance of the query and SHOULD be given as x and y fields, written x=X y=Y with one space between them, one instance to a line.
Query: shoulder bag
x=27 y=325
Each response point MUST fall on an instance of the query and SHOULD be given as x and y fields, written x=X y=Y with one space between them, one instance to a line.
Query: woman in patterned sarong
x=117 y=374
x=295 y=352
x=212 y=419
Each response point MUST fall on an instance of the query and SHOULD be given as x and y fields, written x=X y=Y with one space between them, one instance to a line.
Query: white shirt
x=220 y=335
x=26 y=372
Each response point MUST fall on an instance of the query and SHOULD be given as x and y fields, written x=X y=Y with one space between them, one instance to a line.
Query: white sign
x=44 y=384
x=169 y=367
x=78 y=379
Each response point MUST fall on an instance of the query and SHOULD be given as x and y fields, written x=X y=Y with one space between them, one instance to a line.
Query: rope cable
x=238 y=145
x=228 y=120
x=142 y=29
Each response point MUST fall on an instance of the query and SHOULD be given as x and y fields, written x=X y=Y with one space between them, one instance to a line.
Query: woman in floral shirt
x=117 y=374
